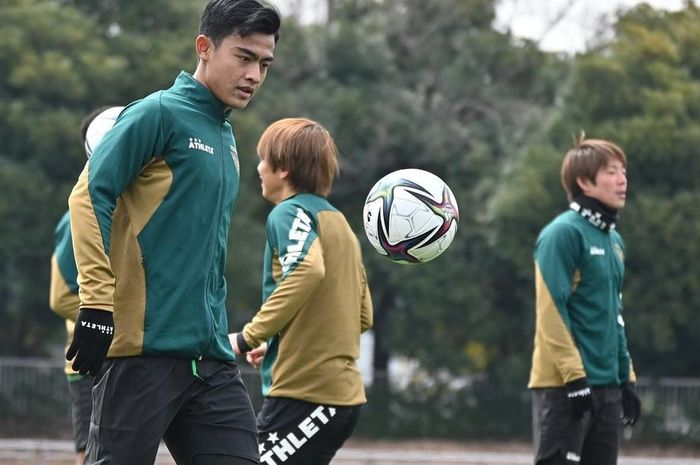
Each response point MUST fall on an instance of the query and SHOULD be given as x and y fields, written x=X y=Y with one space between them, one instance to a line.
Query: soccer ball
x=99 y=126
x=410 y=216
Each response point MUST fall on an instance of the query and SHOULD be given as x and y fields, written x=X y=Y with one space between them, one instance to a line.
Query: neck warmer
x=595 y=212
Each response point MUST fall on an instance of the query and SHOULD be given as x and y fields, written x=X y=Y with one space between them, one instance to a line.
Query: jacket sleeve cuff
x=242 y=344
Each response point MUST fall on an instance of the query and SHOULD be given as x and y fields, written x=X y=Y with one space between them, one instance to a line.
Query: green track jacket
x=316 y=305
x=150 y=218
x=579 y=270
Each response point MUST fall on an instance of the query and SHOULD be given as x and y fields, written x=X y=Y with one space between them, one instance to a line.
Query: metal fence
x=35 y=402
x=672 y=408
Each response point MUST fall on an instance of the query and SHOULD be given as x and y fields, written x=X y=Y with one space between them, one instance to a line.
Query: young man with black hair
x=150 y=219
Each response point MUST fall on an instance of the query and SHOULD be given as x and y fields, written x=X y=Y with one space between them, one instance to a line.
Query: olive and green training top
x=579 y=271
x=150 y=218
x=316 y=305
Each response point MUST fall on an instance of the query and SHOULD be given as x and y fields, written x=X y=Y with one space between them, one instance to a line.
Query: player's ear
x=284 y=174
x=584 y=184
x=203 y=46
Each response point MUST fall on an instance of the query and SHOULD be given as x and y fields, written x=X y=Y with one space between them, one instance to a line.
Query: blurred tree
x=469 y=96
x=24 y=248
x=659 y=50
x=641 y=90
x=51 y=71
x=400 y=83
x=61 y=59
x=427 y=85
x=155 y=38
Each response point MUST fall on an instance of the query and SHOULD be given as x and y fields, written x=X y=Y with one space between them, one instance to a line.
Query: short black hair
x=222 y=18
x=88 y=119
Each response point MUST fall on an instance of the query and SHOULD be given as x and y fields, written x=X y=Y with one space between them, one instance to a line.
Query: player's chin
x=238 y=104
x=619 y=204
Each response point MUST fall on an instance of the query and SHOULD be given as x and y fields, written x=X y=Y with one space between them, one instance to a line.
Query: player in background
x=150 y=219
x=64 y=301
x=316 y=302
x=582 y=377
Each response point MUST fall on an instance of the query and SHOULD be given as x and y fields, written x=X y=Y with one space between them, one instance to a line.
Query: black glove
x=92 y=337
x=579 y=394
x=631 y=405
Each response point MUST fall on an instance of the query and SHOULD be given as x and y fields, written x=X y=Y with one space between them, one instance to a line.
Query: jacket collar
x=200 y=95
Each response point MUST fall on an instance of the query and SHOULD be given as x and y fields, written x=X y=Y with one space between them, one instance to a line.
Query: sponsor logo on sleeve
x=298 y=233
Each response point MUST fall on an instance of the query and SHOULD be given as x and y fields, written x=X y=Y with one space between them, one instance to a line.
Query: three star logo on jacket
x=197 y=144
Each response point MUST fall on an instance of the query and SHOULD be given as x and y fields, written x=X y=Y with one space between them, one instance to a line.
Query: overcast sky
x=558 y=25
x=564 y=25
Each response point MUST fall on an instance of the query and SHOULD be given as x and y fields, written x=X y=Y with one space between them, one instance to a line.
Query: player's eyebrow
x=253 y=55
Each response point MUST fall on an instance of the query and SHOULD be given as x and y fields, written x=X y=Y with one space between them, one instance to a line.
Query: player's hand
x=94 y=330
x=579 y=394
x=256 y=355
x=631 y=405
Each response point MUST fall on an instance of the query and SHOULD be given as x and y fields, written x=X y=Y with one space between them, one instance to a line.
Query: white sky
x=558 y=25
x=564 y=25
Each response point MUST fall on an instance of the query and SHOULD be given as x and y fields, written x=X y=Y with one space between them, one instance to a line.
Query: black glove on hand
x=579 y=394
x=92 y=337
x=631 y=405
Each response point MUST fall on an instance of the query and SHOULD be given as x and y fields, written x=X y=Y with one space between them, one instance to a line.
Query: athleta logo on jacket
x=298 y=234
x=283 y=448
x=597 y=250
x=198 y=145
